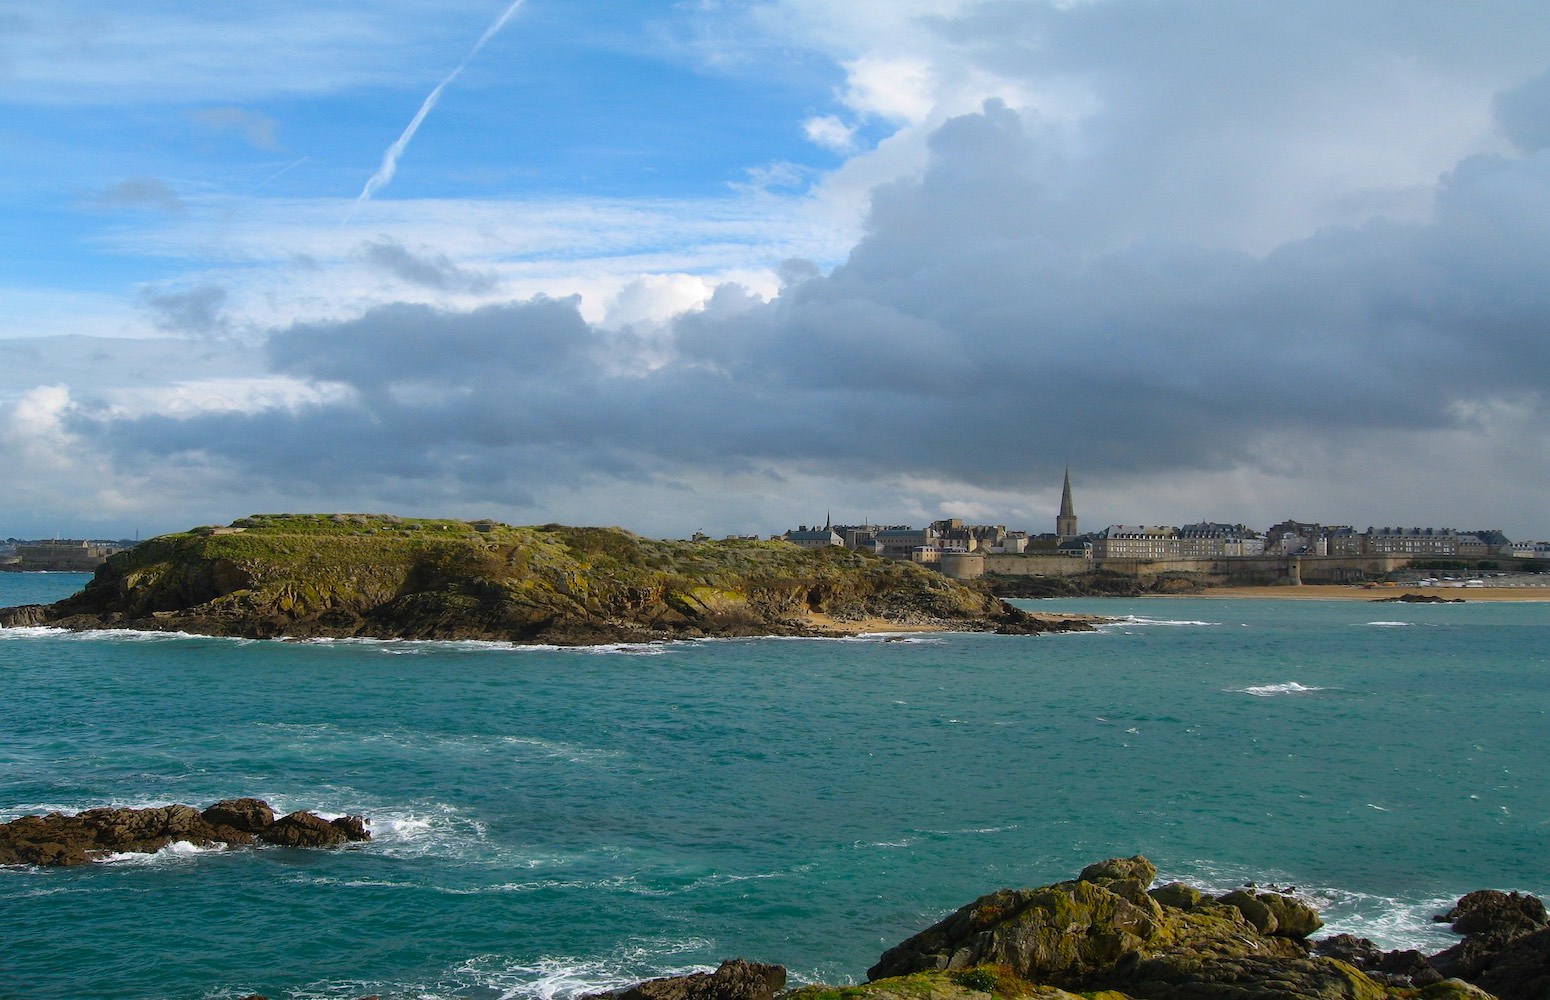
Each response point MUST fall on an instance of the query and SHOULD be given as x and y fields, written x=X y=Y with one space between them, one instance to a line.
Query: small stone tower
x=1065 y=521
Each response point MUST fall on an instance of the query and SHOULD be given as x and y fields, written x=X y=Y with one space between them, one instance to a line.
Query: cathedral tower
x=1065 y=521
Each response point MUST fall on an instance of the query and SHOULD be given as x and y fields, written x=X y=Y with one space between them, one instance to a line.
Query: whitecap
x=424 y=830
x=175 y=851
x=1272 y=690
x=1390 y=624
x=1139 y=620
x=563 y=977
x=1388 y=921
x=112 y=635
x=906 y=638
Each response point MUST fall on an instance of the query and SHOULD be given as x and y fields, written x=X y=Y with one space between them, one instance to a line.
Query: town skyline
x=710 y=266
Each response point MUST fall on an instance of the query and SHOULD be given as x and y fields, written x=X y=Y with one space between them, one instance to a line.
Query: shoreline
x=1357 y=592
x=828 y=627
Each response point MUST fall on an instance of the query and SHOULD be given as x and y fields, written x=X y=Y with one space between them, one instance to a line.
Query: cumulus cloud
x=898 y=89
x=1237 y=270
x=831 y=133
x=975 y=321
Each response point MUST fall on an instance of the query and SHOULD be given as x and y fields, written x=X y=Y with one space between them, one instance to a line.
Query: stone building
x=1065 y=521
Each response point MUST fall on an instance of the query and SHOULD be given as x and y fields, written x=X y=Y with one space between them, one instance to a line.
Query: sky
x=736 y=265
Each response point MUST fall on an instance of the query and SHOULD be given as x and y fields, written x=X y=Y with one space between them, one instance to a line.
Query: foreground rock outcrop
x=59 y=839
x=377 y=576
x=1109 y=935
x=735 y=979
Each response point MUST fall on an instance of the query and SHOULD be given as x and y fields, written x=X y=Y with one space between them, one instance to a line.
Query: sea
x=548 y=822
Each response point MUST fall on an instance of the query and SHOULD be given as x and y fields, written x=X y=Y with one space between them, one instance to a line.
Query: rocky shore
x=1110 y=935
x=379 y=576
x=59 y=839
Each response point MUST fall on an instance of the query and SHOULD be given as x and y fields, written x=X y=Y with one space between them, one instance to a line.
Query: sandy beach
x=1338 y=592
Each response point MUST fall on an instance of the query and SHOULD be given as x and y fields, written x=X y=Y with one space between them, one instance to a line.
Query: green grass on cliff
x=310 y=563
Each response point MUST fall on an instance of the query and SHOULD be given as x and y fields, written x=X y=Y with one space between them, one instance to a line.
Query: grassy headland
x=315 y=575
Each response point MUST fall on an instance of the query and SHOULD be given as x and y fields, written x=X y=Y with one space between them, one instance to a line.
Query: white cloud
x=1220 y=274
x=895 y=89
x=831 y=133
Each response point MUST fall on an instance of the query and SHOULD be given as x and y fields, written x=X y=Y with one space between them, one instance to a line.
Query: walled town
x=1290 y=552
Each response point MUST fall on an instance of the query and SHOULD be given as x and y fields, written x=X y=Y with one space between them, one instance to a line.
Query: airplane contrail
x=389 y=166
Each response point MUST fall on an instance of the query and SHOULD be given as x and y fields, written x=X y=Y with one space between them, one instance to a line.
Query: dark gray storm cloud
x=1140 y=296
x=952 y=334
x=1524 y=113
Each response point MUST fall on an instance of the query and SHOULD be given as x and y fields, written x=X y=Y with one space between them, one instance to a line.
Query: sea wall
x=1219 y=571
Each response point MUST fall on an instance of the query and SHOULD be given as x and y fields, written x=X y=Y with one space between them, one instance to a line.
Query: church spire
x=1065 y=521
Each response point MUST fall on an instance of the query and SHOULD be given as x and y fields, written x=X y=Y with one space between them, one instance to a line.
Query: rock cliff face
x=386 y=577
x=58 y=839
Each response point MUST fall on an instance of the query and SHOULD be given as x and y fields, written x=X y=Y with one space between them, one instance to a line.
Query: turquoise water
x=550 y=821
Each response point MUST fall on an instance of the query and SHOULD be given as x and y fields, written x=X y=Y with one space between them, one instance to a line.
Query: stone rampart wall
x=1225 y=570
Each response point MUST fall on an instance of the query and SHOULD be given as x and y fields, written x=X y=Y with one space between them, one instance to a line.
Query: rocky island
x=386 y=577
x=58 y=839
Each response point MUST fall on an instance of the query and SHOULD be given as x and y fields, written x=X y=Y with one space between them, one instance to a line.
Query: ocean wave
x=424 y=830
x=112 y=635
x=1273 y=690
x=177 y=851
x=1142 y=621
x=563 y=977
x=1389 y=624
x=908 y=638
x=1390 y=922
x=500 y=977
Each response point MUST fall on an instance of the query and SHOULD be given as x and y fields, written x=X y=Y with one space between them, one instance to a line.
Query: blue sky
x=731 y=264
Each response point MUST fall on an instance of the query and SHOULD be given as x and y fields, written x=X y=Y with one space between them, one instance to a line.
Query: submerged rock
x=60 y=839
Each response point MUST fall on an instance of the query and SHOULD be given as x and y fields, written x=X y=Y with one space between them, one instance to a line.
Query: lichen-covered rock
x=1132 y=869
x=1274 y=912
x=1058 y=934
x=1178 y=895
x=1457 y=989
x=1104 y=934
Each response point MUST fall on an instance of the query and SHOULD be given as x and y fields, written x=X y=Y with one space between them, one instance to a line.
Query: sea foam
x=1274 y=690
